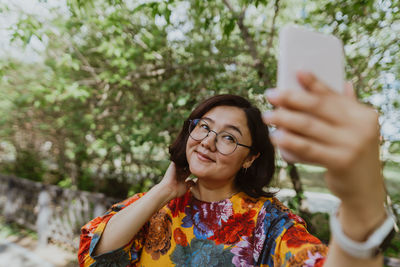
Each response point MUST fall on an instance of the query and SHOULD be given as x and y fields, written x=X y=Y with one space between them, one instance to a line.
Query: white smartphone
x=303 y=50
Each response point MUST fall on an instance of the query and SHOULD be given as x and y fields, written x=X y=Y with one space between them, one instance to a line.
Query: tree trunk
x=295 y=178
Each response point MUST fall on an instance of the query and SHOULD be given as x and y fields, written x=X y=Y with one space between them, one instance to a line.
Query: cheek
x=232 y=163
x=190 y=144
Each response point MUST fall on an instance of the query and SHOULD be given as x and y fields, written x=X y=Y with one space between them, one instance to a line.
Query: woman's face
x=203 y=157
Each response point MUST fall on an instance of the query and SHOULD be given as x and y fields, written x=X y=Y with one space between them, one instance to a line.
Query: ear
x=249 y=160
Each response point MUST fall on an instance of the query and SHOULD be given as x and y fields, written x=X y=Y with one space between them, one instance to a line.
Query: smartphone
x=301 y=49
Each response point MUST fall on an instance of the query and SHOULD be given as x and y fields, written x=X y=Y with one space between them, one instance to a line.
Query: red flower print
x=248 y=203
x=320 y=263
x=297 y=218
x=132 y=199
x=87 y=233
x=180 y=237
x=121 y=205
x=296 y=236
x=83 y=249
x=158 y=240
x=205 y=218
x=178 y=204
x=237 y=226
x=313 y=256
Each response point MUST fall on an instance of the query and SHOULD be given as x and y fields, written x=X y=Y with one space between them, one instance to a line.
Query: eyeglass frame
x=216 y=137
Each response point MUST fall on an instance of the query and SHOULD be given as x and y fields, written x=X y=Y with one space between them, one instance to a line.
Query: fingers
x=308 y=126
x=289 y=157
x=298 y=100
x=301 y=123
x=325 y=107
x=296 y=148
x=310 y=82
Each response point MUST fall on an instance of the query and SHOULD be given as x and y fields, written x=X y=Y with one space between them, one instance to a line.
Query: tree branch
x=272 y=31
x=252 y=48
x=87 y=66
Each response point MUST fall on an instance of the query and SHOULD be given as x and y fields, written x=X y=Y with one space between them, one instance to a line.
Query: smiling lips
x=204 y=157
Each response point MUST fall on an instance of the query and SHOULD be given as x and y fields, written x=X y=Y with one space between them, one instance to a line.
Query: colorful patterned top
x=239 y=231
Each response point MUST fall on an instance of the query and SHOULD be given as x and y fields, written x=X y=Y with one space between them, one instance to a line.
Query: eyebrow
x=233 y=127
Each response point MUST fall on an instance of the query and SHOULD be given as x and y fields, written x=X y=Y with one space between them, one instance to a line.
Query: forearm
x=124 y=225
x=338 y=257
x=357 y=222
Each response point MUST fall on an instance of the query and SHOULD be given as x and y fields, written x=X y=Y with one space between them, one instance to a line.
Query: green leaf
x=167 y=15
x=229 y=27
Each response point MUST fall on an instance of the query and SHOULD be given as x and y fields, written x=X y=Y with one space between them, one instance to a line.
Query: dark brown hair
x=260 y=173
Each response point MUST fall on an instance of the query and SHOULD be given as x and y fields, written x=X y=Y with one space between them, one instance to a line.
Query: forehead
x=227 y=115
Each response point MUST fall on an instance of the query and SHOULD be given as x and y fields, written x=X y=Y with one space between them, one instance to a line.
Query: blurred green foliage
x=118 y=77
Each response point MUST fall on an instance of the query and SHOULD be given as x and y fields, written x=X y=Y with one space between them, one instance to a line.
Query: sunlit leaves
x=119 y=77
x=25 y=28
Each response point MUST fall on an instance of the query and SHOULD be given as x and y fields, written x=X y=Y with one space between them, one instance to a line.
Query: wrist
x=377 y=240
x=364 y=208
x=358 y=223
x=163 y=193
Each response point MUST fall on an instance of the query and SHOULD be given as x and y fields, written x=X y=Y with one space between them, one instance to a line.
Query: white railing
x=55 y=213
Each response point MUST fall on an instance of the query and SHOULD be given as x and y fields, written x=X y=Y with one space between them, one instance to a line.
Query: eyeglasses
x=225 y=142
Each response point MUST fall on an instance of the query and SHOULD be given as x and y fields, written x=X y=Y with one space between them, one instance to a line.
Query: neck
x=211 y=192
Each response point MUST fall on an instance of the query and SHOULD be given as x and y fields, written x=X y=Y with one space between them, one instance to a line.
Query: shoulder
x=297 y=247
x=275 y=209
x=269 y=207
x=270 y=214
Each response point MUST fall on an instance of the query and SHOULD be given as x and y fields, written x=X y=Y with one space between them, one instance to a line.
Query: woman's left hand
x=320 y=126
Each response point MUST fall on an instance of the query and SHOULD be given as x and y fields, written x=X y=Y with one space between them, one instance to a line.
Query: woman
x=225 y=218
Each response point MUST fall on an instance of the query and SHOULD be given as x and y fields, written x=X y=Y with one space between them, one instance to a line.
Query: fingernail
x=304 y=75
x=300 y=72
x=268 y=114
x=272 y=93
x=277 y=134
x=268 y=89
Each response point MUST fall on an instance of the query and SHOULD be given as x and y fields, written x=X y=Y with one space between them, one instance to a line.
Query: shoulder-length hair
x=260 y=173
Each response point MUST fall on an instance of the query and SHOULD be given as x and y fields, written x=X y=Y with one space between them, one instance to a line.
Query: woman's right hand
x=125 y=224
x=175 y=181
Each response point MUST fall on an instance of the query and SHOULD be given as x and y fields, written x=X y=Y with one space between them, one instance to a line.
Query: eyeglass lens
x=225 y=142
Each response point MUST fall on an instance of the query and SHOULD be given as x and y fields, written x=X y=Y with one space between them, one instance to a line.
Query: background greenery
x=116 y=79
x=113 y=81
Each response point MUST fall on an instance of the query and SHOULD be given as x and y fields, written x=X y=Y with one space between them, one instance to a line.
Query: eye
x=228 y=138
x=204 y=125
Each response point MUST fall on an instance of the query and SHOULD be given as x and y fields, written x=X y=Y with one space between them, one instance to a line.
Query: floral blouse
x=239 y=231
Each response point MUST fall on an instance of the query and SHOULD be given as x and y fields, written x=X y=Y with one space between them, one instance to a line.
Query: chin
x=196 y=170
x=199 y=168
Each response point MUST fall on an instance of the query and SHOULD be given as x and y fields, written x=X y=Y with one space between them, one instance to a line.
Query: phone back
x=303 y=50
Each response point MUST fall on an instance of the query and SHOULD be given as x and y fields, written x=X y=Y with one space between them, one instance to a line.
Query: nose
x=210 y=141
